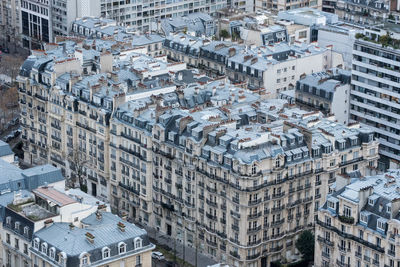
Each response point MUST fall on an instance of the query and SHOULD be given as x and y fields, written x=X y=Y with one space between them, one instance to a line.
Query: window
x=346 y=211
x=44 y=248
x=36 y=243
x=85 y=260
x=26 y=230
x=364 y=218
x=121 y=248
x=138 y=243
x=381 y=225
x=106 y=253
x=52 y=253
x=138 y=260
x=331 y=205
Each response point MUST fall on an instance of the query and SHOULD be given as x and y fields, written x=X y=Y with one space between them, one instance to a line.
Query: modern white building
x=375 y=94
x=42 y=20
x=144 y=16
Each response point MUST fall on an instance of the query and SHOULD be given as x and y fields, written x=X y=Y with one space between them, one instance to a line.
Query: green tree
x=305 y=244
x=224 y=34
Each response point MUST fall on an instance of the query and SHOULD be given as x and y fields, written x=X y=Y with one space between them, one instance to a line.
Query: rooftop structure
x=277 y=67
x=327 y=91
x=197 y=24
x=6 y=153
x=14 y=178
x=102 y=238
x=308 y=16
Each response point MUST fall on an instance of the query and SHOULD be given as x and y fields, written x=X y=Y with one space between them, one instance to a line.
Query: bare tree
x=78 y=162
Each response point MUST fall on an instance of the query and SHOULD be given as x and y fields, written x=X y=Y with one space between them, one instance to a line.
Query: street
x=165 y=241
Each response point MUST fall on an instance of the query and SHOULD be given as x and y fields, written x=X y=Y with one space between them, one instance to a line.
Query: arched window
x=121 y=248
x=106 y=252
x=52 y=253
x=62 y=258
x=138 y=242
x=44 y=248
x=85 y=260
x=36 y=242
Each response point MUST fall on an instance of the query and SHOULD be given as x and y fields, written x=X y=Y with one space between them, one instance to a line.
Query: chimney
x=48 y=223
x=121 y=226
x=99 y=216
x=114 y=76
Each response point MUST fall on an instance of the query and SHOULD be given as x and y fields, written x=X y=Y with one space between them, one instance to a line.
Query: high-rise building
x=375 y=94
x=9 y=23
x=145 y=16
x=42 y=21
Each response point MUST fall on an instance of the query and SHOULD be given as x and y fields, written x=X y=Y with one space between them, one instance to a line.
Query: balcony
x=391 y=252
x=342 y=264
x=325 y=241
x=235 y=214
x=211 y=216
x=254 y=216
x=254 y=202
x=234 y=254
x=325 y=255
x=278 y=195
x=347 y=162
x=211 y=190
x=279 y=222
x=235 y=227
x=212 y=203
x=352 y=237
x=358 y=254
x=346 y=219
x=253 y=230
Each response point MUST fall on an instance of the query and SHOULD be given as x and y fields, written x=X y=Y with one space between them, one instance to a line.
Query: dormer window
x=36 y=242
x=62 y=258
x=364 y=218
x=52 y=252
x=121 y=248
x=106 y=252
x=85 y=260
x=347 y=211
x=17 y=224
x=26 y=230
x=381 y=225
x=138 y=242
x=8 y=221
x=331 y=205
x=388 y=209
x=44 y=248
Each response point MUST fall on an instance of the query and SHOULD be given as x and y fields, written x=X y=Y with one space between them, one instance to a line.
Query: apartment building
x=145 y=16
x=184 y=48
x=375 y=92
x=27 y=213
x=359 y=224
x=101 y=239
x=364 y=12
x=230 y=181
x=218 y=167
x=67 y=95
x=328 y=92
x=286 y=5
x=277 y=68
x=214 y=56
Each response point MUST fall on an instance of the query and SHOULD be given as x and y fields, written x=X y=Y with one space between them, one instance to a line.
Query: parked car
x=157 y=255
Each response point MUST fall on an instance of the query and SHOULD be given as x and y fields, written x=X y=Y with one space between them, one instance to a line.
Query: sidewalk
x=190 y=253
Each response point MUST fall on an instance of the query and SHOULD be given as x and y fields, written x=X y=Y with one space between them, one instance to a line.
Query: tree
x=305 y=244
x=224 y=34
x=78 y=162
